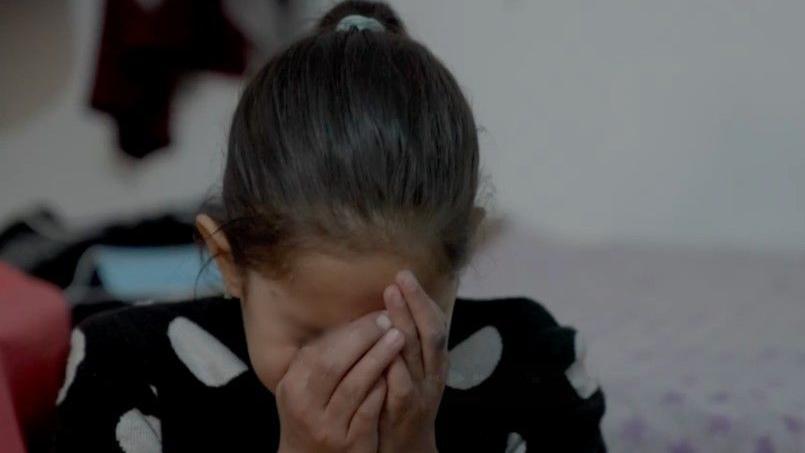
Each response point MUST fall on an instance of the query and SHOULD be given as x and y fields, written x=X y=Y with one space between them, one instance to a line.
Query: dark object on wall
x=144 y=52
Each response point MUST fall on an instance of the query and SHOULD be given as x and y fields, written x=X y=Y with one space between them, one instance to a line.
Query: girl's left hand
x=416 y=378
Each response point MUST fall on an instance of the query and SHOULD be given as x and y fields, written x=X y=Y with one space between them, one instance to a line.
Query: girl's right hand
x=331 y=397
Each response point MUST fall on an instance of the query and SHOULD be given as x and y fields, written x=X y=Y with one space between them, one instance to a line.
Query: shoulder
x=524 y=337
x=146 y=338
x=518 y=376
x=136 y=325
x=522 y=310
x=143 y=343
x=516 y=319
x=120 y=361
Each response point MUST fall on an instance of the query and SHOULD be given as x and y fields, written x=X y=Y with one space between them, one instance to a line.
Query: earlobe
x=477 y=218
x=485 y=227
x=220 y=250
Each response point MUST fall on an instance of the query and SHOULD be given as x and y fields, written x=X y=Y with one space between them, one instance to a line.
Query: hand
x=330 y=398
x=417 y=377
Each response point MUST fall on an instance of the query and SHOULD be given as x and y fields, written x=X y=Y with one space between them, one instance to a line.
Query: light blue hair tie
x=359 y=22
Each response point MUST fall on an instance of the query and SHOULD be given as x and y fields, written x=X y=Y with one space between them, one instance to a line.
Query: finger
x=329 y=357
x=367 y=416
x=352 y=390
x=402 y=319
x=400 y=387
x=430 y=320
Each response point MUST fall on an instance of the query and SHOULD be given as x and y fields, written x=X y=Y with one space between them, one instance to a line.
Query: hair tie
x=359 y=22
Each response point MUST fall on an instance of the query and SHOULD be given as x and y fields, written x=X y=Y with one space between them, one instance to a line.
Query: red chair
x=34 y=342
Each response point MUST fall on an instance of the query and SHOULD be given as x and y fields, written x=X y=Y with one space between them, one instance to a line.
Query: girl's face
x=320 y=292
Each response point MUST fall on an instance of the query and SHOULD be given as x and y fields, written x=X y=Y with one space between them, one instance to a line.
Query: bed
x=697 y=349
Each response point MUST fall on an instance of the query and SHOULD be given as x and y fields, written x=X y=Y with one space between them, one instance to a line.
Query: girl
x=349 y=212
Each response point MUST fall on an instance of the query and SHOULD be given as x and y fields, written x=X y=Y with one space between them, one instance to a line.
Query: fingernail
x=383 y=322
x=392 y=336
x=408 y=280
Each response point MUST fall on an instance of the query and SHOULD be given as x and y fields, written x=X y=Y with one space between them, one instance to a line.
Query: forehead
x=324 y=290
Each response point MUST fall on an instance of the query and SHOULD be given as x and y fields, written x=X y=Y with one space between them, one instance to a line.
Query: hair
x=356 y=140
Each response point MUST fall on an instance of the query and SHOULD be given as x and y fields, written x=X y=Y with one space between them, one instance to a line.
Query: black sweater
x=175 y=377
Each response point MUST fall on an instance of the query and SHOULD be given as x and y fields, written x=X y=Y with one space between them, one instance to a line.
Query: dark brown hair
x=354 y=139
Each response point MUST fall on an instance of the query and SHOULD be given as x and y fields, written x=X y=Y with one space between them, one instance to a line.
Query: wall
x=668 y=122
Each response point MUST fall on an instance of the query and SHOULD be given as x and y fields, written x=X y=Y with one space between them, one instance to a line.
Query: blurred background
x=645 y=164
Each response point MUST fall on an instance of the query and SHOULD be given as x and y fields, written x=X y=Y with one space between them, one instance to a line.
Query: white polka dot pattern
x=139 y=433
x=207 y=358
x=473 y=360
x=76 y=356
x=578 y=374
x=515 y=443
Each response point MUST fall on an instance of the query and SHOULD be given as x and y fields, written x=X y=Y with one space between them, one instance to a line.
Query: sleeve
x=105 y=403
x=563 y=404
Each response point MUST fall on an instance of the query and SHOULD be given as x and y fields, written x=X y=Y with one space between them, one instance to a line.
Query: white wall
x=673 y=122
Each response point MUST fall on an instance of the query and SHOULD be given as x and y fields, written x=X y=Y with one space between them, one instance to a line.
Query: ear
x=477 y=217
x=219 y=249
x=476 y=225
x=485 y=227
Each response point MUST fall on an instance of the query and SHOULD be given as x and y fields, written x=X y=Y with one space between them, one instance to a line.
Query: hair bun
x=363 y=15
